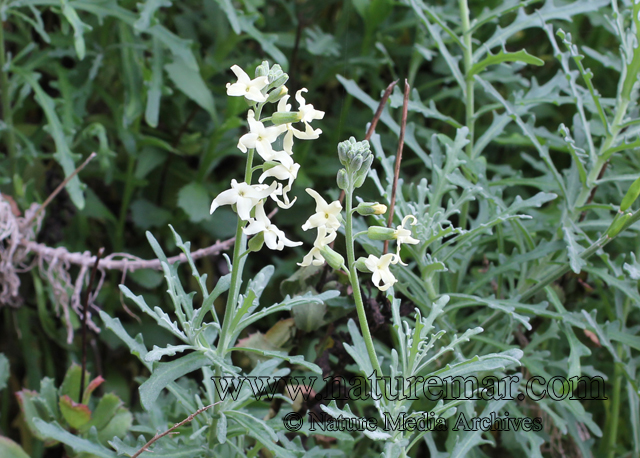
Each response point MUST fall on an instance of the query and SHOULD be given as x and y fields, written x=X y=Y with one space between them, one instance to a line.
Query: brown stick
x=84 y=322
x=59 y=188
x=396 y=174
x=130 y=263
x=374 y=122
x=168 y=431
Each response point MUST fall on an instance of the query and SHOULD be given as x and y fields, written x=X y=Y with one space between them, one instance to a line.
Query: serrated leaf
x=147 y=11
x=78 y=28
x=170 y=350
x=574 y=250
x=502 y=56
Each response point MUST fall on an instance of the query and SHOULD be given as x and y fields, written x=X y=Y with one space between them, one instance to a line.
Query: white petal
x=240 y=73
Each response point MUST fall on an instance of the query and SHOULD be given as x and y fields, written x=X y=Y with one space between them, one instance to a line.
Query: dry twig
x=396 y=174
x=168 y=431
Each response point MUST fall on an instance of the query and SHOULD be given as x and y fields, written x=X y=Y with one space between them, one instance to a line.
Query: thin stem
x=146 y=446
x=469 y=92
x=234 y=291
x=396 y=173
x=612 y=433
x=357 y=294
x=7 y=112
x=594 y=173
x=58 y=189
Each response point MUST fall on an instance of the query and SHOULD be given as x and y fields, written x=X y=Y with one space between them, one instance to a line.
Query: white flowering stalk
x=356 y=159
x=279 y=171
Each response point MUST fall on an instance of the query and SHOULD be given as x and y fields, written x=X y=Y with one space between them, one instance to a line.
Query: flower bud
x=356 y=163
x=363 y=172
x=361 y=266
x=287 y=117
x=381 y=233
x=275 y=95
x=370 y=208
x=333 y=258
x=262 y=69
x=280 y=80
x=342 y=179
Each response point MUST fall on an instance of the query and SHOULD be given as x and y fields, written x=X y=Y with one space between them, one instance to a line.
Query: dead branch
x=168 y=431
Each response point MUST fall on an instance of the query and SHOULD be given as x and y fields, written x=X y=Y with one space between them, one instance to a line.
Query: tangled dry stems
x=19 y=253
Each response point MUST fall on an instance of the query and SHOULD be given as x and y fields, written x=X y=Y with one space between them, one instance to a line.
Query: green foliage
x=520 y=165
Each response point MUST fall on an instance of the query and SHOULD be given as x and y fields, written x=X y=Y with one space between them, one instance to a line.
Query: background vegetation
x=142 y=84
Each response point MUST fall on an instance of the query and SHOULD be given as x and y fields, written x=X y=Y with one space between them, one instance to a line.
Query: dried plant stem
x=84 y=321
x=59 y=188
x=130 y=262
x=168 y=431
x=372 y=126
x=396 y=174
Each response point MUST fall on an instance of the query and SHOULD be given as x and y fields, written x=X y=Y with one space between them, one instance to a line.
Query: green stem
x=7 y=112
x=612 y=432
x=594 y=173
x=357 y=294
x=469 y=92
x=239 y=259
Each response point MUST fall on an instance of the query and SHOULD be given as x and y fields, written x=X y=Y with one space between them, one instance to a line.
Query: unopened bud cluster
x=356 y=158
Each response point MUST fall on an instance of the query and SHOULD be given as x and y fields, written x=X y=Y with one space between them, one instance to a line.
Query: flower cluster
x=379 y=266
x=326 y=220
x=249 y=199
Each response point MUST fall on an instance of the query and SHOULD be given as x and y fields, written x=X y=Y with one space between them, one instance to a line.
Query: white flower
x=246 y=87
x=274 y=238
x=282 y=191
x=380 y=269
x=314 y=257
x=326 y=214
x=285 y=170
x=259 y=137
x=244 y=196
x=306 y=114
x=403 y=235
x=306 y=111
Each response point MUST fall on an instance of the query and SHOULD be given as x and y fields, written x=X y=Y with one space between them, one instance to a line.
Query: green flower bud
x=269 y=165
x=333 y=258
x=381 y=233
x=288 y=117
x=631 y=196
x=280 y=80
x=363 y=172
x=277 y=94
x=371 y=208
x=356 y=163
x=361 y=266
x=262 y=69
x=342 y=179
